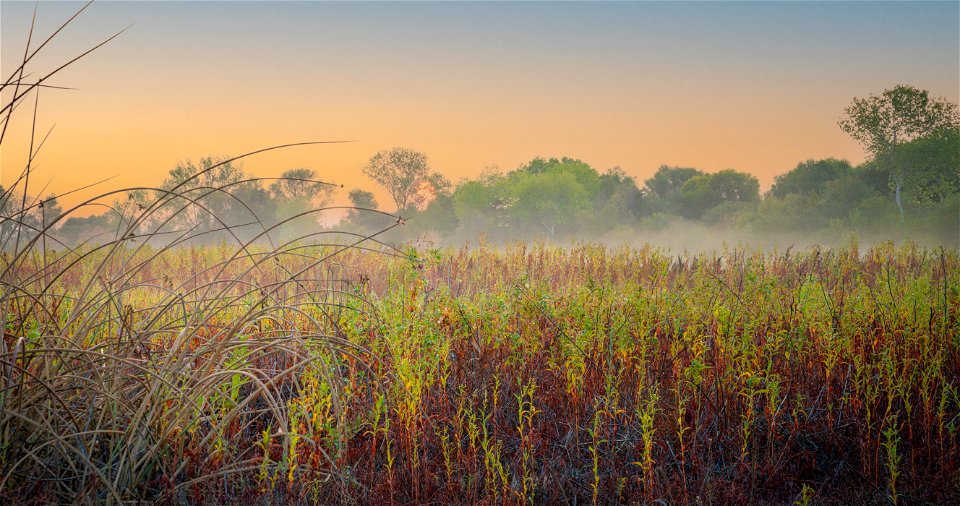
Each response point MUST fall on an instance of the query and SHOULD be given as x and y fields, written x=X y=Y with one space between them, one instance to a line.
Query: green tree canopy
x=701 y=193
x=483 y=204
x=668 y=180
x=551 y=197
x=934 y=166
x=899 y=115
x=810 y=177
x=551 y=202
x=586 y=176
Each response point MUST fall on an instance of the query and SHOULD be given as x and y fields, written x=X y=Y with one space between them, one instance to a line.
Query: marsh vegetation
x=542 y=335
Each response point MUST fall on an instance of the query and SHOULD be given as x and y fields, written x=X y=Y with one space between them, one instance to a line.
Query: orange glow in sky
x=757 y=87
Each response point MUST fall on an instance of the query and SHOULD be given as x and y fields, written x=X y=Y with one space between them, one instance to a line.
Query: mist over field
x=560 y=202
x=529 y=253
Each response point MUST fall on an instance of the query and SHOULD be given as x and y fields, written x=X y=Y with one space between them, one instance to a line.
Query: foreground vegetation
x=138 y=366
x=526 y=374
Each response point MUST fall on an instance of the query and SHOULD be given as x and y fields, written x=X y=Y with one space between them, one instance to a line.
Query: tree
x=405 y=175
x=554 y=198
x=809 y=177
x=586 y=176
x=621 y=208
x=362 y=201
x=610 y=181
x=204 y=196
x=661 y=193
x=76 y=230
x=668 y=180
x=934 y=162
x=898 y=115
x=617 y=200
x=704 y=192
x=259 y=201
x=25 y=216
x=552 y=202
x=302 y=185
x=295 y=195
x=50 y=210
x=440 y=216
x=483 y=204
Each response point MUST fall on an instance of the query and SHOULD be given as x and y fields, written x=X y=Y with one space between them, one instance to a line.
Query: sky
x=753 y=86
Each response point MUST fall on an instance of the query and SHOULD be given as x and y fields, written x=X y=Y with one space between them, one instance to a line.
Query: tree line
x=909 y=185
x=210 y=200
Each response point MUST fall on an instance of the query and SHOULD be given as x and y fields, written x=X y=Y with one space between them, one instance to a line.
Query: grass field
x=521 y=374
x=142 y=367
